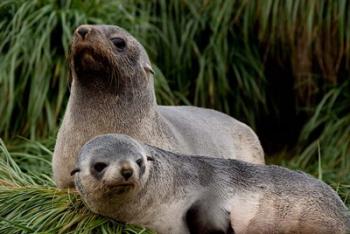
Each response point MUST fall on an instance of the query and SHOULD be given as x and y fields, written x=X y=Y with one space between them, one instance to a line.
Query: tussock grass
x=326 y=137
x=30 y=202
x=213 y=53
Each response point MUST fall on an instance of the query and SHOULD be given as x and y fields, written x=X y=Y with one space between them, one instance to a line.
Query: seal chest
x=112 y=91
x=124 y=179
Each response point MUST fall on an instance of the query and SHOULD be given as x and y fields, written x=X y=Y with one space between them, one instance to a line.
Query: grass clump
x=326 y=137
x=30 y=202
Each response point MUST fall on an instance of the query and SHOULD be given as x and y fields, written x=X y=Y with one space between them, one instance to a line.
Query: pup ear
x=148 y=68
x=75 y=170
x=150 y=158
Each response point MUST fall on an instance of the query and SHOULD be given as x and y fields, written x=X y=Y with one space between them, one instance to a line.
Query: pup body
x=172 y=193
x=112 y=91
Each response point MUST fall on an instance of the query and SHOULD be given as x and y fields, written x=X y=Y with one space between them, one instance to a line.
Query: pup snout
x=126 y=173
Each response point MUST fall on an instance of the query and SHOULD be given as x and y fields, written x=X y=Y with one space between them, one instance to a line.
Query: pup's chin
x=123 y=189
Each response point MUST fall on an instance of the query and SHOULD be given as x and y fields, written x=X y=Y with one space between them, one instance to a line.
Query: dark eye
x=139 y=162
x=119 y=42
x=100 y=166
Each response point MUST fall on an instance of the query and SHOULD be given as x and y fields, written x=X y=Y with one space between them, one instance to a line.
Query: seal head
x=104 y=54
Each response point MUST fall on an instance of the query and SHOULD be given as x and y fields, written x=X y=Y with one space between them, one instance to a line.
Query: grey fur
x=112 y=91
x=251 y=198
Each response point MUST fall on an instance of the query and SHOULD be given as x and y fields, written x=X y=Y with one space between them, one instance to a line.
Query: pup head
x=110 y=170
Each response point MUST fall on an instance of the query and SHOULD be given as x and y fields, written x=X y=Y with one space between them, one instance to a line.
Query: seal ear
x=148 y=68
x=75 y=170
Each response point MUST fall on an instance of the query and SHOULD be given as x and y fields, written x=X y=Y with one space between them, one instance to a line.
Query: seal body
x=173 y=193
x=112 y=91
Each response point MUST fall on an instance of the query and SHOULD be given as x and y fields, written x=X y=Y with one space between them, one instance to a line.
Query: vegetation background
x=280 y=66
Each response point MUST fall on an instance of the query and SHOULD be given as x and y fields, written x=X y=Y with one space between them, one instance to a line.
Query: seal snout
x=127 y=173
x=126 y=169
x=83 y=30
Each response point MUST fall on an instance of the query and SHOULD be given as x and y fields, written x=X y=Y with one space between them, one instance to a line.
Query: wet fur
x=197 y=194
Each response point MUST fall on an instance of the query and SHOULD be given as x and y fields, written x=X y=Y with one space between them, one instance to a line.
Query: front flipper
x=206 y=217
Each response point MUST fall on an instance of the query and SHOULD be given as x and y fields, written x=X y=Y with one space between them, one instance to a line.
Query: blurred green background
x=282 y=67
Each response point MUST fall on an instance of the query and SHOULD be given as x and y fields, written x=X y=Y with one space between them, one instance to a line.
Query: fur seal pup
x=112 y=91
x=136 y=183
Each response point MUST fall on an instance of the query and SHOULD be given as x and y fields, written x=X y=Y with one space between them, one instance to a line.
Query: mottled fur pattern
x=112 y=91
x=178 y=193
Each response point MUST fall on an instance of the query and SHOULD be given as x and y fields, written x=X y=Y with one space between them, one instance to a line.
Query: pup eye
x=118 y=42
x=100 y=166
x=139 y=162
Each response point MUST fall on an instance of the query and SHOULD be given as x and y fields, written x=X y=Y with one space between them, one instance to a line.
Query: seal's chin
x=86 y=61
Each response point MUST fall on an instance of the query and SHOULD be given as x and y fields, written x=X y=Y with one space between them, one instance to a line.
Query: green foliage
x=30 y=203
x=327 y=134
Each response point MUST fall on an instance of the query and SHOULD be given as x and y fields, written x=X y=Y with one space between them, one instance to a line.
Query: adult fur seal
x=136 y=183
x=112 y=91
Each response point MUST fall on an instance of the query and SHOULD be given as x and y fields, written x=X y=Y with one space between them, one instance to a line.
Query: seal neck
x=126 y=105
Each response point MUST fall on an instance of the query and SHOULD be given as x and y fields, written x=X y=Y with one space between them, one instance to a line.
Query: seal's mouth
x=124 y=186
x=120 y=185
x=86 y=58
x=120 y=188
x=92 y=64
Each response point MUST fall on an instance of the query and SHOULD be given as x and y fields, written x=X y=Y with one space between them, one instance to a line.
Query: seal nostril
x=100 y=166
x=83 y=31
x=126 y=173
